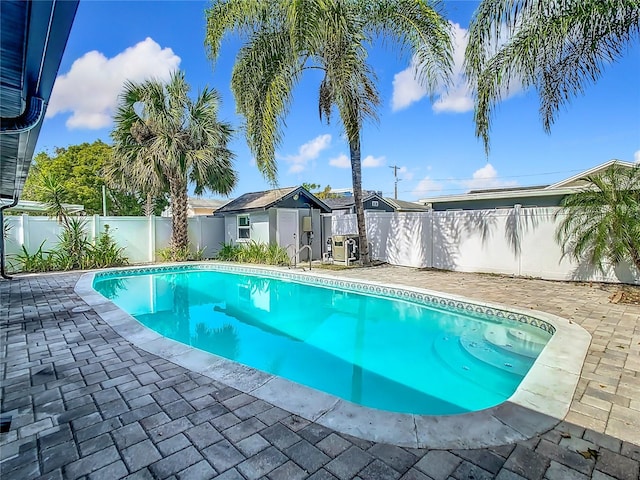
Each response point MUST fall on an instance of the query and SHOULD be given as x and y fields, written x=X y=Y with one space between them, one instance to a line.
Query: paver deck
x=85 y=403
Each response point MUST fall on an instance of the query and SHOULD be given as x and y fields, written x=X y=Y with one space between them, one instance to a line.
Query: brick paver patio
x=85 y=403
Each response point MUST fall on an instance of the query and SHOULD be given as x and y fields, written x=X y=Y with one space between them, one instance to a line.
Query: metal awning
x=33 y=35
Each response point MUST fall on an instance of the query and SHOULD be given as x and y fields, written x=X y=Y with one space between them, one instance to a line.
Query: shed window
x=374 y=203
x=244 y=228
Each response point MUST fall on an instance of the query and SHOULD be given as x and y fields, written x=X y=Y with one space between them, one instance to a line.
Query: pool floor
x=389 y=354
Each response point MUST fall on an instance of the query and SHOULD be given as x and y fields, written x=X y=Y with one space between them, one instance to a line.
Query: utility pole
x=395 y=174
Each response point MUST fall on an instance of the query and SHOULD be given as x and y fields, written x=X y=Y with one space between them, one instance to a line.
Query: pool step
x=496 y=356
x=452 y=354
x=516 y=341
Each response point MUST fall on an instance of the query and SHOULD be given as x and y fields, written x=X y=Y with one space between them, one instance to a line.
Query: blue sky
x=432 y=142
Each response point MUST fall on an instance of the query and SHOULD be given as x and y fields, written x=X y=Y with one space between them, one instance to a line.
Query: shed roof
x=268 y=198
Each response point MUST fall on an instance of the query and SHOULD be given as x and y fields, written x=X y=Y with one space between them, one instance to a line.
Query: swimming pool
x=381 y=348
x=540 y=401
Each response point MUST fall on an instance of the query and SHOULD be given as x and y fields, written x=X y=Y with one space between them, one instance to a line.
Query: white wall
x=518 y=241
x=260 y=227
x=141 y=237
x=258 y=223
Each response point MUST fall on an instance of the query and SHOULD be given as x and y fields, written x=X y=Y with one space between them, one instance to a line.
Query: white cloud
x=487 y=177
x=406 y=89
x=458 y=97
x=405 y=174
x=372 y=162
x=91 y=87
x=341 y=161
x=636 y=156
x=308 y=151
x=426 y=187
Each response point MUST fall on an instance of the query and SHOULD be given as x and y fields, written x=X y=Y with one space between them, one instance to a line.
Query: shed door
x=287 y=230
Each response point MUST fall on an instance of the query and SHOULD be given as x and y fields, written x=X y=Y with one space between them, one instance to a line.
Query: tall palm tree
x=557 y=47
x=602 y=222
x=285 y=38
x=166 y=139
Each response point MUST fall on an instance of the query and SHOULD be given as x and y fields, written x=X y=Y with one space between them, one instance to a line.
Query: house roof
x=576 y=180
x=268 y=198
x=348 y=202
x=564 y=187
x=39 y=207
x=398 y=205
x=404 y=206
x=339 y=202
x=212 y=203
x=33 y=35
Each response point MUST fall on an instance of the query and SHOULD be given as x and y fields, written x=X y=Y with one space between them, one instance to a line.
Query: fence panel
x=474 y=241
x=518 y=241
x=141 y=237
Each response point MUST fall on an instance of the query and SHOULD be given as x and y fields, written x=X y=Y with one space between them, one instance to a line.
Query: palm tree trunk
x=356 y=175
x=178 y=189
x=635 y=256
x=149 y=205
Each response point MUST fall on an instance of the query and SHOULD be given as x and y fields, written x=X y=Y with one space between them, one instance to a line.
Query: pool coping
x=541 y=401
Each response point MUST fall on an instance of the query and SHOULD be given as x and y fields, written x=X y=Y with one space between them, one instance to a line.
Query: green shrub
x=176 y=254
x=105 y=252
x=228 y=252
x=74 y=247
x=254 y=252
x=74 y=251
x=277 y=255
x=40 y=261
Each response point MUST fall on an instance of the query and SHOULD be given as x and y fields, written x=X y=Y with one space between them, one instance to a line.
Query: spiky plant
x=602 y=222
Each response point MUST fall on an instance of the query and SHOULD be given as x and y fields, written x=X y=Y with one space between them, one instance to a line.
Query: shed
x=289 y=217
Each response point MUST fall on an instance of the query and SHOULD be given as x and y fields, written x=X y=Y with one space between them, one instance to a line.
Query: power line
x=452 y=179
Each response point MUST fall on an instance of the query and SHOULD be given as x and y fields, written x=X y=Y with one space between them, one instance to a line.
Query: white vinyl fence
x=141 y=237
x=518 y=241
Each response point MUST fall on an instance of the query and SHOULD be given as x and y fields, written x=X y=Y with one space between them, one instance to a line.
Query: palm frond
x=558 y=48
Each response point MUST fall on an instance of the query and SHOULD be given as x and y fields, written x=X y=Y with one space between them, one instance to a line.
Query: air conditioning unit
x=345 y=247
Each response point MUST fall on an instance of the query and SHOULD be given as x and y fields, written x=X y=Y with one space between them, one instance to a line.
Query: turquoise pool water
x=386 y=353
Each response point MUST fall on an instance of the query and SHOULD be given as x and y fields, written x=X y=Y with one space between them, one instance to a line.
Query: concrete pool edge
x=541 y=401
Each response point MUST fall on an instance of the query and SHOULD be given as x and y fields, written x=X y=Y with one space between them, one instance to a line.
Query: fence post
x=516 y=214
x=95 y=227
x=432 y=246
x=199 y=229
x=23 y=237
x=152 y=238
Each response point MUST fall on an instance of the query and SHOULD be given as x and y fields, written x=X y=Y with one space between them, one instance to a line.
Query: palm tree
x=163 y=138
x=52 y=193
x=602 y=222
x=285 y=38
x=557 y=47
x=125 y=176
